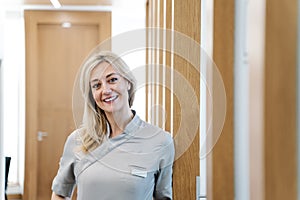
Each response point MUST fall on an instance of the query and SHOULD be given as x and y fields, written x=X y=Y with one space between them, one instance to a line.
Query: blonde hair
x=94 y=123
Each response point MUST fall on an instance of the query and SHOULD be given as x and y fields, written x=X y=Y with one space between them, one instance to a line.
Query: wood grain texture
x=154 y=62
x=31 y=166
x=168 y=41
x=147 y=87
x=160 y=66
x=186 y=168
x=223 y=56
x=280 y=100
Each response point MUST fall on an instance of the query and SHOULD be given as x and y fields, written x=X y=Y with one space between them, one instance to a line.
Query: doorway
x=56 y=45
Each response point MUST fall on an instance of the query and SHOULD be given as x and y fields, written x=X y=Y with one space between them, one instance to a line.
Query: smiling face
x=109 y=88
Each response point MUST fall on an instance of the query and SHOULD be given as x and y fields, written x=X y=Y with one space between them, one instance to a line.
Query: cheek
x=122 y=88
x=96 y=96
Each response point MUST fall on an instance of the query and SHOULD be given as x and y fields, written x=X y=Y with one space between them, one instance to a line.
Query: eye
x=96 y=85
x=113 y=80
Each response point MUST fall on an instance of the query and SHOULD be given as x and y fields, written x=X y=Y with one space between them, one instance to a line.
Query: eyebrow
x=107 y=76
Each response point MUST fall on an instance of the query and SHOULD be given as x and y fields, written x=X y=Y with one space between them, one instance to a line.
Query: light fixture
x=55 y=3
x=66 y=25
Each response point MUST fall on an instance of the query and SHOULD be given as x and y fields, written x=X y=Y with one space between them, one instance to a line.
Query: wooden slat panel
x=223 y=56
x=147 y=60
x=186 y=168
x=280 y=100
x=31 y=166
x=160 y=67
x=168 y=64
x=150 y=61
x=154 y=62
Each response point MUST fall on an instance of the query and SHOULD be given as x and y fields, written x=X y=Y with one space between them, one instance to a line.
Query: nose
x=106 y=89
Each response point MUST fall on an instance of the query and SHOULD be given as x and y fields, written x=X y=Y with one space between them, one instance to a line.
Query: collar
x=131 y=127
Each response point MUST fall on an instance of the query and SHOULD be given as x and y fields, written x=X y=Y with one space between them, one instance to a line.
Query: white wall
x=1 y=110
x=12 y=66
x=1 y=139
x=130 y=16
x=13 y=91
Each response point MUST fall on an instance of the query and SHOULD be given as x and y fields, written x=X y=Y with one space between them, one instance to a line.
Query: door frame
x=32 y=19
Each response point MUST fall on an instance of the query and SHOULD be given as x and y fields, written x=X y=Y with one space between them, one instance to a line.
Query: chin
x=110 y=110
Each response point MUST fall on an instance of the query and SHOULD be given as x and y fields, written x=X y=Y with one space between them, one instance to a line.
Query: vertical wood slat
x=280 y=100
x=30 y=188
x=160 y=66
x=151 y=89
x=150 y=17
x=155 y=62
x=168 y=41
x=186 y=168
x=147 y=61
x=223 y=55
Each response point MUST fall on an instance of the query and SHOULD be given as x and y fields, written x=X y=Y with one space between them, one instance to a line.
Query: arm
x=163 y=184
x=64 y=182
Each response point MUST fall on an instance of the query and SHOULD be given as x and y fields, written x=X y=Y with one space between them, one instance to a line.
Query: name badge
x=138 y=172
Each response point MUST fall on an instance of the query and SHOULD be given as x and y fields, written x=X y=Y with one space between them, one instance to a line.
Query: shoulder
x=74 y=136
x=73 y=141
x=162 y=144
x=157 y=133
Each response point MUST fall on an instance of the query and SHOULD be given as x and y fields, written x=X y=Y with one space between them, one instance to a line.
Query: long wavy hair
x=94 y=123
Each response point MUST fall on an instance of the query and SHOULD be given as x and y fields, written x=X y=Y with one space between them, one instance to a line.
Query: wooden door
x=53 y=57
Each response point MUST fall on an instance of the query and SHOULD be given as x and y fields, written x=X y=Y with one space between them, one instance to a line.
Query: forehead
x=102 y=70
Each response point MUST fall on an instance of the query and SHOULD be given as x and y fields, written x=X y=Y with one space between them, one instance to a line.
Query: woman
x=114 y=155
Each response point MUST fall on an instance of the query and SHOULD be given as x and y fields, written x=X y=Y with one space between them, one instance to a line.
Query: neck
x=118 y=121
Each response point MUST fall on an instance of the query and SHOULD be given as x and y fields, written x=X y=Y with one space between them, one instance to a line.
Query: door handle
x=41 y=135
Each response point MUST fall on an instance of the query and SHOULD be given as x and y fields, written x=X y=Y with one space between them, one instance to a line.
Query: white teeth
x=110 y=99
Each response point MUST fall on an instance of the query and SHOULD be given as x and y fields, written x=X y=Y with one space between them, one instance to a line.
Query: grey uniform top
x=135 y=165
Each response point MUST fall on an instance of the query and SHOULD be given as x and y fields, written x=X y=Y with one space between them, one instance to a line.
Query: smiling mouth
x=110 y=99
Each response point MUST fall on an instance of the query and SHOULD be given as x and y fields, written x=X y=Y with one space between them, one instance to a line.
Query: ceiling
x=70 y=2
x=73 y=2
